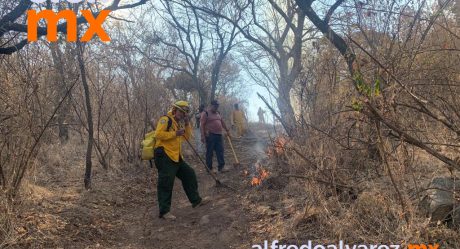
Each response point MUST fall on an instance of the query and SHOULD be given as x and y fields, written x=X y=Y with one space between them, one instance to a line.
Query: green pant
x=167 y=172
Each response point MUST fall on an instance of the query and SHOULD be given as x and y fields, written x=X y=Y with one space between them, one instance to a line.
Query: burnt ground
x=121 y=209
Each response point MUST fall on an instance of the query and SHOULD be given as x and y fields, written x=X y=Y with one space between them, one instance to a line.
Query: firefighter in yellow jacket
x=238 y=120
x=170 y=131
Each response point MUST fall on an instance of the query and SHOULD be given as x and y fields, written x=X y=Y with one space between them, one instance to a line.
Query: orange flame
x=263 y=174
x=278 y=148
x=255 y=181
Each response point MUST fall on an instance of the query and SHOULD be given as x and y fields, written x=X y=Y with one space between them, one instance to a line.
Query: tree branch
x=7 y=24
x=14 y=15
x=329 y=13
x=14 y=48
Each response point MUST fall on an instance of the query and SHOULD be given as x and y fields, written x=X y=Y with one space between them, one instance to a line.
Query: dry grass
x=316 y=203
x=6 y=224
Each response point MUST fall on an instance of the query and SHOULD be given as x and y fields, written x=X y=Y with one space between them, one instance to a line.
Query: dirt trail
x=121 y=210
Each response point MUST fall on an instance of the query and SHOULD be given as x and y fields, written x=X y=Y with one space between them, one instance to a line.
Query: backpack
x=148 y=144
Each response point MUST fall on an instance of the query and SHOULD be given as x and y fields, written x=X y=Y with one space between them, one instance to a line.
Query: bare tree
x=89 y=115
x=222 y=38
x=64 y=75
x=11 y=24
x=180 y=48
x=373 y=107
x=280 y=35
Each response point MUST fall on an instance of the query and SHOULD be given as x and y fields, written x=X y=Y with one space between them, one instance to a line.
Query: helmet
x=182 y=106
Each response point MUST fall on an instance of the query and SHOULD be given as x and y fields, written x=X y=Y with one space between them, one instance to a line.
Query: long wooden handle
x=202 y=161
x=218 y=183
x=233 y=150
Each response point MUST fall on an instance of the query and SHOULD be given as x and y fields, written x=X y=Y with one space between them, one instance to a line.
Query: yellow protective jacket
x=237 y=117
x=168 y=139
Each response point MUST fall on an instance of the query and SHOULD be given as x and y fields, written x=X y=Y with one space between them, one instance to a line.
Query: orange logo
x=52 y=19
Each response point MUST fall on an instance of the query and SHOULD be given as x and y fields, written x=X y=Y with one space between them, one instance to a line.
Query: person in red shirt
x=212 y=126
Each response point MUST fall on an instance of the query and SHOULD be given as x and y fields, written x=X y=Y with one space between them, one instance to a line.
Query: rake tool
x=237 y=164
x=218 y=182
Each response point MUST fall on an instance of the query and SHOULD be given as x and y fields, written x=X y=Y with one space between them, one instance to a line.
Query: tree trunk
x=284 y=105
x=89 y=148
x=214 y=79
x=290 y=66
x=283 y=101
x=130 y=143
x=62 y=89
x=215 y=73
x=132 y=132
x=202 y=94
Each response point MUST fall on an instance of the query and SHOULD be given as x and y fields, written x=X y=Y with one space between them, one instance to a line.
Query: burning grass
x=260 y=174
x=260 y=177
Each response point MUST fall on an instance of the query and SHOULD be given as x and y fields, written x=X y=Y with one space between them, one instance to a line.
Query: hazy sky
x=254 y=102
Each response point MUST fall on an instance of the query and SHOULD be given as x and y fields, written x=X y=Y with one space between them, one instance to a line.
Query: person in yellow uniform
x=169 y=133
x=238 y=120
x=261 y=114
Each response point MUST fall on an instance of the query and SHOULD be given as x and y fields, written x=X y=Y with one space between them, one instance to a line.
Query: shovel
x=237 y=164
